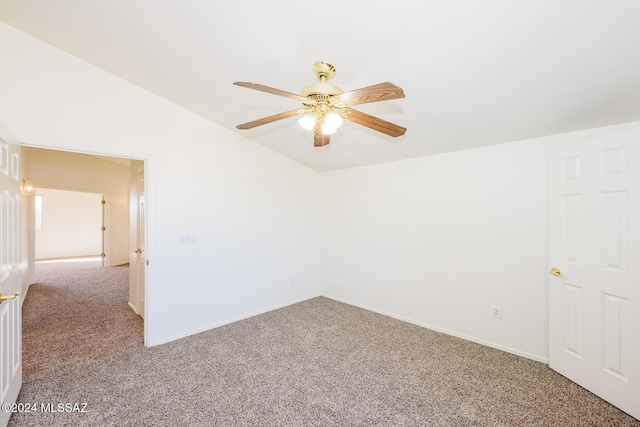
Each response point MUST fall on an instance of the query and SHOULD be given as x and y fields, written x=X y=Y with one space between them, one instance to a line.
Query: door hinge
x=103 y=255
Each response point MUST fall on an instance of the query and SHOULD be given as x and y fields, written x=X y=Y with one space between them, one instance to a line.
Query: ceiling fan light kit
x=332 y=121
x=325 y=106
x=307 y=121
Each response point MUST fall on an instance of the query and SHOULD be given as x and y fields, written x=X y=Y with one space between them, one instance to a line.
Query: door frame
x=137 y=261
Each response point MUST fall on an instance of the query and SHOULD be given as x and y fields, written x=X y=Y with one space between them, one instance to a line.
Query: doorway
x=113 y=182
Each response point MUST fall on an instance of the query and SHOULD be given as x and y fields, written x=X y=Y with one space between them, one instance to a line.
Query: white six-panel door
x=594 y=305
x=10 y=310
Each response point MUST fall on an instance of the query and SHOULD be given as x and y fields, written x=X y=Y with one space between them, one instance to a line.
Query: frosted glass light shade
x=333 y=120
x=328 y=130
x=308 y=121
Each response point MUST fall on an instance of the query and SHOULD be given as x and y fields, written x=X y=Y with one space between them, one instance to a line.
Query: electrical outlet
x=496 y=312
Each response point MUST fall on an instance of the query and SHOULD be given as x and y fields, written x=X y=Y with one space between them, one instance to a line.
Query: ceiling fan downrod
x=324 y=71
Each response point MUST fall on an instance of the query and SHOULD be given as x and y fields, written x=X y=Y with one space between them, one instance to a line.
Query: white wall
x=254 y=214
x=436 y=240
x=71 y=224
x=82 y=172
x=439 y=240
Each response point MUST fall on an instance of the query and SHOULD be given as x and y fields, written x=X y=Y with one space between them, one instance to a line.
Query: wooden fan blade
x=319 y=139
x=274 y=118
x=375 y=123
x=274 y=91
x=375 y=93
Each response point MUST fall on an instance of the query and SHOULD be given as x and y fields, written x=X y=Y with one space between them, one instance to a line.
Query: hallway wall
x=74 y=171
x=71 y=224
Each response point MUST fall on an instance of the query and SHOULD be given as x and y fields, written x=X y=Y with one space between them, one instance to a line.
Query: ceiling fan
x=325 y=105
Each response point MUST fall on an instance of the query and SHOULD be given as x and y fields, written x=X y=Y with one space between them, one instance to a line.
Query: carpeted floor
x=316 y=363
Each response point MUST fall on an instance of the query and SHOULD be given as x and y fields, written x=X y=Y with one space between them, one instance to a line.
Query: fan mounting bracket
x=324 y=71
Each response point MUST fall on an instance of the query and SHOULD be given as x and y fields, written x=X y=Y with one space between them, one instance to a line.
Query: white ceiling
x=474 y=72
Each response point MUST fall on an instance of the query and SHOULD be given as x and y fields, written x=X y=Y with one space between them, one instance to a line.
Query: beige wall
x=82 y=172
x=71 y=224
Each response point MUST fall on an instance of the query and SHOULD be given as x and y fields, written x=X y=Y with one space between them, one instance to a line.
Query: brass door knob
x=8 y=297
x=555 y=271
x=138 y=251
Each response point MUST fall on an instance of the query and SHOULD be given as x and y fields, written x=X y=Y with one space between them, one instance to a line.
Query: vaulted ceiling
x=474 y=72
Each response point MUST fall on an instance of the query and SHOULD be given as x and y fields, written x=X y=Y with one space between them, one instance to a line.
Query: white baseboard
x=228 y=321
x=23 y=294
x=535 y=357
x=133 y=308
x=375 y=310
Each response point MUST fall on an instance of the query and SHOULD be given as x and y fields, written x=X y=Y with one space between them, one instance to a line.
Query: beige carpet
x=316 y=363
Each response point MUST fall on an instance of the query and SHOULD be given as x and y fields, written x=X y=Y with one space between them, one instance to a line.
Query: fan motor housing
x=321 y=89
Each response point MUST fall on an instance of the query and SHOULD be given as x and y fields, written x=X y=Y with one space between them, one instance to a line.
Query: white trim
x=444 y=331
x=23 y=296
x=133 y=308
x=229 y=321
x=374 y=310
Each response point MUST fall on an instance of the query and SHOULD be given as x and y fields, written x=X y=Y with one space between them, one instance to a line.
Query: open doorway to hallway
x=71 y=185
